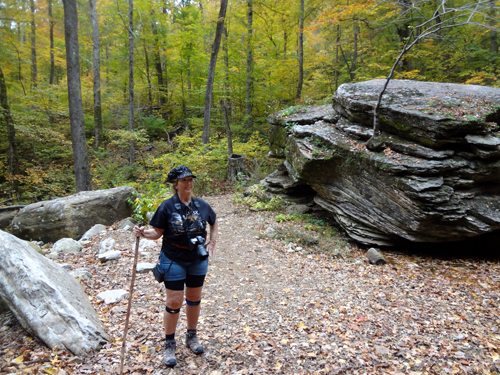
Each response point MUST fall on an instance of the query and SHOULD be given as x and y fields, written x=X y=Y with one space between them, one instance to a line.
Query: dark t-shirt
x=176 y=223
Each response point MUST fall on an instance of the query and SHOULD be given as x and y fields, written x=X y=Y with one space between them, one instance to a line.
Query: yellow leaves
x=19 y=359
x=494 y=356
x=235 y=296
x=247 y=329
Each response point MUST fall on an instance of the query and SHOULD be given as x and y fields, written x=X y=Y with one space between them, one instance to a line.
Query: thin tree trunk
x=301 y=50
x=97 y=74
x=12 y=156
x=285 y=39
x=493 y=32
x=227 y=101
x=337 y=46
x=352 y=71
x=150 y=94
x=211 y=71
x=226 y=125
x=249 y=83
x=51 y=38
x=162 y=88
x=80 y=156
x=131 y=77
x=34 y=70
x=19 y=70
x=403 y=30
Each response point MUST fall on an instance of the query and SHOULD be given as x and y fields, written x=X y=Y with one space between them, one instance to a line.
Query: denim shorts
x=179 y=270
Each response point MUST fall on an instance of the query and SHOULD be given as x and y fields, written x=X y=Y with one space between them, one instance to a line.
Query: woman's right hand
x=138 y=231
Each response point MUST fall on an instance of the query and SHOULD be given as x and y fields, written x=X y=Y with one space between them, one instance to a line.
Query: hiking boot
x=169 y=354
x=193 y=343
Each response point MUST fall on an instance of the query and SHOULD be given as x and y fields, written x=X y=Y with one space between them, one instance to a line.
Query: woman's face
x=185 y=185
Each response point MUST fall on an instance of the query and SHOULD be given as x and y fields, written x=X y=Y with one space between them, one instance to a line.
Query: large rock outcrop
x=72 y=216
x=438 y=178
x=47 y=301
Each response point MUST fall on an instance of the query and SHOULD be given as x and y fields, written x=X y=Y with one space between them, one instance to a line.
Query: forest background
x=275 y=55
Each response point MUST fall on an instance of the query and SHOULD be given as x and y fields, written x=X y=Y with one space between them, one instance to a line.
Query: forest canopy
x=257 y=74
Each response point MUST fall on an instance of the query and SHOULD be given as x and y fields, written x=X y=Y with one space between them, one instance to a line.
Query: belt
x=177 y=245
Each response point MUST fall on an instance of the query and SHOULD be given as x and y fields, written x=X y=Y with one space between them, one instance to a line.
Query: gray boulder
x=428 y=113
x=7 y=214
x=72 y=216
x=47 y=301
x=437 y=180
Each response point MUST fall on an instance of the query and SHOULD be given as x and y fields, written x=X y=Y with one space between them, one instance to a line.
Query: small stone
x=270 y=232
x=113 y=296
x=67 y=245
x=145 y=244
x=96 y=229
x=145 y=267
x=75 y=360
x=110 y=255
x=81 y=273
x=107 y=245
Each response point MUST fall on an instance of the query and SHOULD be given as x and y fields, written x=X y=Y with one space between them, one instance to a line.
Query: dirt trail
x=270 y=307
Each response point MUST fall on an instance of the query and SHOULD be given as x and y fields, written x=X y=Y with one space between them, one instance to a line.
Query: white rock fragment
x=113 y=296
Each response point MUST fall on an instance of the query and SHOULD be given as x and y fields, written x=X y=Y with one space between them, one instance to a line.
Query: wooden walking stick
x=129 y=304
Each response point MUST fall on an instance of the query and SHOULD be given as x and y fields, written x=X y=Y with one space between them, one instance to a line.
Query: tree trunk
x=493 y=32
x=226 y=72
x=51 y=38
x=352 y=71
x=211 y=71
x=162 y=88
x=34 y=70
x=301 y=50
x=148 y=78
x=97 y=74
x=224 y=108
x=12 y=157
x=337 y=46
x=249 y=83
x=403 y=30
x=131 y=77
x=236 y=168
x=80 y=156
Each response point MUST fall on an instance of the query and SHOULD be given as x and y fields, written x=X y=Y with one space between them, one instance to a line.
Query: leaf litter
x=267 y=309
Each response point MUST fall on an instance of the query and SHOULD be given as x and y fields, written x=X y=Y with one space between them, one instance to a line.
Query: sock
x=191 y=332
x=170 y=337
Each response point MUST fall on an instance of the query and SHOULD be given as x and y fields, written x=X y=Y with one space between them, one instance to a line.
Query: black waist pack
x=158 y=273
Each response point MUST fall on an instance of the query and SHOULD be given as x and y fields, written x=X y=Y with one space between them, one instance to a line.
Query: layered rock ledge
x=438 y=178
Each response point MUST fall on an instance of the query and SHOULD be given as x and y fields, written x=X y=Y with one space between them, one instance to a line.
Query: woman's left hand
x=211 y=248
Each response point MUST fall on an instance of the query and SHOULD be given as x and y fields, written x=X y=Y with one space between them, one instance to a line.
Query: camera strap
x=178 y=207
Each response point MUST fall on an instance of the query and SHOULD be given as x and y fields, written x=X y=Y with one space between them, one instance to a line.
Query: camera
x=198 y=243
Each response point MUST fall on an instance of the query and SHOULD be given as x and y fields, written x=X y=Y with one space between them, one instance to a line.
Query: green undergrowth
x=258 y=199
x=314 y=232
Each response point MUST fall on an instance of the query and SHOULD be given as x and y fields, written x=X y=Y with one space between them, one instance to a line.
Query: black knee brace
x=172 y=311
x=191 y=303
